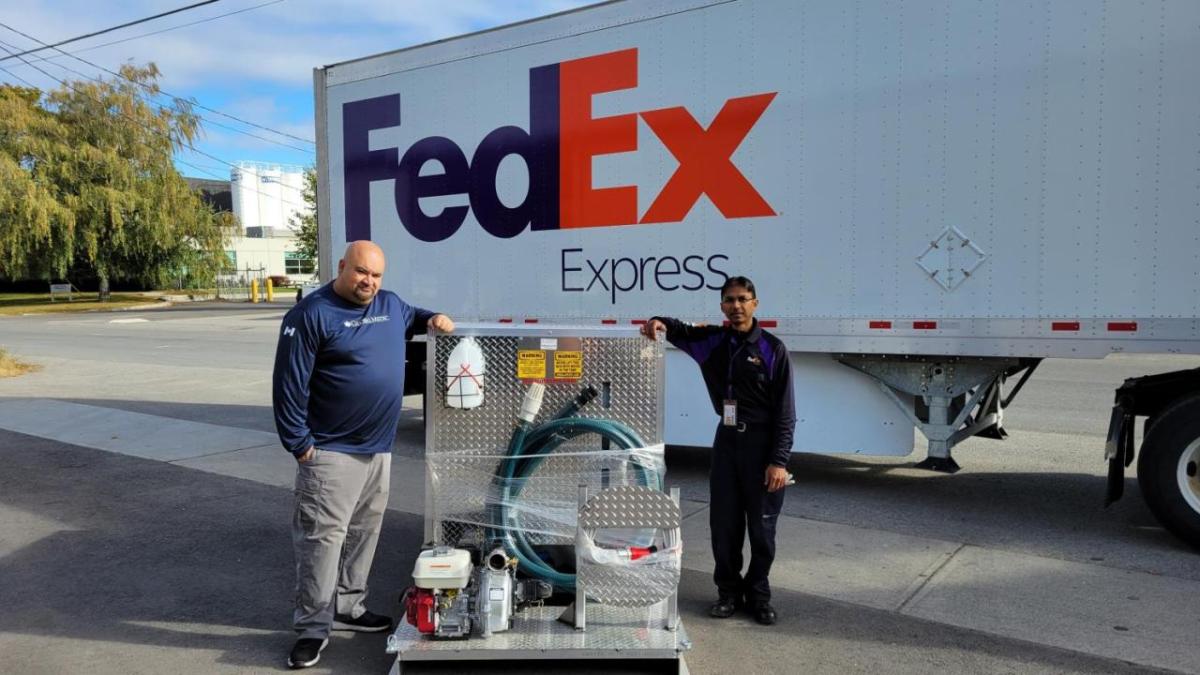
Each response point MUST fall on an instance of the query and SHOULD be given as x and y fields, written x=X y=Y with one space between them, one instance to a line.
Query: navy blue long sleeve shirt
x=752 y=368
x=338 y=381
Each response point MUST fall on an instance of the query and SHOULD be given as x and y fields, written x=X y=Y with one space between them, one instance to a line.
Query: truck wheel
x=1169 y=469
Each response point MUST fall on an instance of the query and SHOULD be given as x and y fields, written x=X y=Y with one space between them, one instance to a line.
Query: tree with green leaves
x=305 y=222
x=88 y=185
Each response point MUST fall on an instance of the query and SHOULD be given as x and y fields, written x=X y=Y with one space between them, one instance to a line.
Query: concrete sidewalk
x=1117 y=614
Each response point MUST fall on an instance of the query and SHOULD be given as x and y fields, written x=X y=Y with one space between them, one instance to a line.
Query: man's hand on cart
x=441 y=323
x=652 y=328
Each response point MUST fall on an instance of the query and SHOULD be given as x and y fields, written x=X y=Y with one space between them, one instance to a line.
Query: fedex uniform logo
x=562 y=139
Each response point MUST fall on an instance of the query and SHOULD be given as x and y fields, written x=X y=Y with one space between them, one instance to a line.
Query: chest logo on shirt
x=355 y=323
x=754 y=360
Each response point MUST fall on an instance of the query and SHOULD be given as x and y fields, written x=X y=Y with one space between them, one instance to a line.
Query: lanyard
x=733 y=352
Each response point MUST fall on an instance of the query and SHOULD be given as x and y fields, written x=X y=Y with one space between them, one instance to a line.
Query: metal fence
x=236 y=285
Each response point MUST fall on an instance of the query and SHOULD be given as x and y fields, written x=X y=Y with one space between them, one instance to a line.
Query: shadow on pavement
x=146 y=553
x=1063 y=514
x=132 y=565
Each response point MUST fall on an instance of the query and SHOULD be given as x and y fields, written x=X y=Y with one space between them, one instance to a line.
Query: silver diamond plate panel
x=636 y=583
x=464 y=447
x=639 y=585
x=630 y=506
x=612 y=632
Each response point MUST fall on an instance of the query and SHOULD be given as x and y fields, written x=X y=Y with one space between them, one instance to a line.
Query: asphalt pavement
x=144 y=508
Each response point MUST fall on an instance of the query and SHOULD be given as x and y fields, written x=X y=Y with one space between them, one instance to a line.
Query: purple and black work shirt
x=751 y=368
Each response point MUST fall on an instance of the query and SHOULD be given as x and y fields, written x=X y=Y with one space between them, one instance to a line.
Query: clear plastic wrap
x=632 y=565
x=508 y=472
x=468 y=492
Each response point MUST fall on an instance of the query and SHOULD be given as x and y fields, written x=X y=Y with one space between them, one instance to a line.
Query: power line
x=210 y=173
x=157 y=32
x=167 y=93
x=67 y=83
x=27 y=82
x=146 y=86
x=202 y=167
x=109 y=30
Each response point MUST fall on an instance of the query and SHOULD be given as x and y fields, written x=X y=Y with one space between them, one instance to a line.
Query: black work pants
x=740 y=505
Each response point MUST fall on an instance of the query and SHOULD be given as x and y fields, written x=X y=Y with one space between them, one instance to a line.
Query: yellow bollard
x=270 y=290
x=254 y=290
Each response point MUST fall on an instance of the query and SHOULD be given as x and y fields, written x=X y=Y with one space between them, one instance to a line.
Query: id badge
x=729 y=416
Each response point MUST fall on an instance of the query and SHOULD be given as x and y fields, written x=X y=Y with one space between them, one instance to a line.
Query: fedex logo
x=562 y=139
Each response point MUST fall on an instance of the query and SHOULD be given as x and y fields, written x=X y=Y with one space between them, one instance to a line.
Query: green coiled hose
x=529 y=446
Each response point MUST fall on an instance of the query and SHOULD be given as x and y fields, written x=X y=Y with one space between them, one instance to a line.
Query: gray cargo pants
x=340 y=500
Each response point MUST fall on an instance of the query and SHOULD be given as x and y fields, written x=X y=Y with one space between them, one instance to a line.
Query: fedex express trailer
x=931 y=195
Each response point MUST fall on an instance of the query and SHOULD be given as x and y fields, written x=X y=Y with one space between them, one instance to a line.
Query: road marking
x=923 y=580
x=135 y=320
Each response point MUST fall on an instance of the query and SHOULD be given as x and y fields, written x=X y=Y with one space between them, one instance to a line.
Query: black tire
x=1176 y=431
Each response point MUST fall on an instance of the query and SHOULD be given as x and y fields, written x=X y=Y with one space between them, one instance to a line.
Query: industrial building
x=266 y=199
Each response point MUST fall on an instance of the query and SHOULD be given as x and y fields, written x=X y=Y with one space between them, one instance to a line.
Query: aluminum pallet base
x=612 y=633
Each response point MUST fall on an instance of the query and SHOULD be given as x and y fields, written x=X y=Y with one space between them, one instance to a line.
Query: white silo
x=244 y=180
x=293 y=196
x=270 y=201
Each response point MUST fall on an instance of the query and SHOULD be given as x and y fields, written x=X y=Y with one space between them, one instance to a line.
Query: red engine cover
x=421 y=609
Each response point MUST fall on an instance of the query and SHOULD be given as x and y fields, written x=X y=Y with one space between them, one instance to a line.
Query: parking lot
x=144 y=512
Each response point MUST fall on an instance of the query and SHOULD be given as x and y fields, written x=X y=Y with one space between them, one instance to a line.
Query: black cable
x=27 y=82
x=160 y=105
x=157 y=32
x=167 y=93
x=109 y=30
x=136 y=121
x=208 y=172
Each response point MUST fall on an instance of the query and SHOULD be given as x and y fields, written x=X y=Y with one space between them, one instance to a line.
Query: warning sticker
x=568 y=365
x=531 y=364
x=546 y=359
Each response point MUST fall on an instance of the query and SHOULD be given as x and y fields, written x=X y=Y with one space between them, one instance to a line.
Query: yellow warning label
x=568 y=365
x=531 y=364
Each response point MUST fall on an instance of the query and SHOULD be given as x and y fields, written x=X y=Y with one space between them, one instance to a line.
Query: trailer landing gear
x=949 y=399
x=939 y=464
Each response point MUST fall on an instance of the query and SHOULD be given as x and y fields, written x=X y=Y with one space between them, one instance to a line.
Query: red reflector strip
x=924 y=325
x=1125 y=326
x=638 y=322
x=1064 y=325
x=769 y=323
x=506 y=320
x=531 y=320
x=883 y=325
x=608 y=322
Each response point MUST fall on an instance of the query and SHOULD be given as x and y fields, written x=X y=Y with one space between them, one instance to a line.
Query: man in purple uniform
x=749 y=380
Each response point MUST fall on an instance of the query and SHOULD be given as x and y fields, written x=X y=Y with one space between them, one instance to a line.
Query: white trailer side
x=946 y=193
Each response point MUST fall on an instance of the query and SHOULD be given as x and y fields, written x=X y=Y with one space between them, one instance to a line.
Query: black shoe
x=306 y=652
x=367 y=622
x=764 y=613
x=724 y=607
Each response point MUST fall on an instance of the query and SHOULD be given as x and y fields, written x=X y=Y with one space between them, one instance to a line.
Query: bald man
x=338 y=387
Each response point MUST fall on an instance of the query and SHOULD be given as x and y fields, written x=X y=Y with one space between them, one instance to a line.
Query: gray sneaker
x=306 y=652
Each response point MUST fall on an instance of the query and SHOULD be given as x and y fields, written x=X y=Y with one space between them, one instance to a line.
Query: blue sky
x=255 y=65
